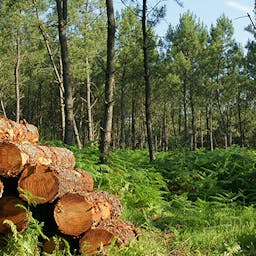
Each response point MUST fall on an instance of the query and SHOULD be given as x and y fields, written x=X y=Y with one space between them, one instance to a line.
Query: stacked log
x=10 y=210
x=47 y=175
x=18 y=132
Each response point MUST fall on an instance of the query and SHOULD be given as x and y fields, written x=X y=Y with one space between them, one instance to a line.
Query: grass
x=186 y=203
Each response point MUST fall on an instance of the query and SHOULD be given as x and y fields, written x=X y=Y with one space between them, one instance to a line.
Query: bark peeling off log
x=41 y=182
x=102 y=202
x=14 y=156
x=10 y=210
x=73 y=214
x=74 y=181
x=13 y=131
x=64 y=158
x=104 y=234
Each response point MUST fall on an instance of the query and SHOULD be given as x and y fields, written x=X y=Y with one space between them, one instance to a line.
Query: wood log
x=45 y=183
x=18 y=132
x=1 y=188
x=75 y=213
x=104 y=234
x=10 y=210
x=75 y=181
x=105 y=206
x=40 y=182
x=14 y=157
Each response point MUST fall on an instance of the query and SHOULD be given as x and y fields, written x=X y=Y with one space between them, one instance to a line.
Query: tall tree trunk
x=133 y=120
x=89 y=103
x=164 y=128
x=193 y=122
x=106 y=129
x=147 y=83
x=62 y=100
x=241 y=130
x=58 y=74
x=2 y=106
x=201 y=131
x=223 y=122
x=16 y=75
x=186 y=134
x=88 y=87
x=68 y=90
x=122 y=136
x=211 y=127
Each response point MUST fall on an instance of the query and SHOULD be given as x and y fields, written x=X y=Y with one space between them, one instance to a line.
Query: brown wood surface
x=10 y=210
x=73 y=214
x=75 y=181
x=14 y=157
x=104 y=234
x=45 y=184
x=105 y=206
x=40 y=182
x=18 y=132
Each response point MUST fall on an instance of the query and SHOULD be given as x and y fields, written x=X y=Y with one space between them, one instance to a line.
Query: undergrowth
x=185 y=203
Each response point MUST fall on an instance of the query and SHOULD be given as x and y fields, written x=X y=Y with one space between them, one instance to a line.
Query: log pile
x=46 y=175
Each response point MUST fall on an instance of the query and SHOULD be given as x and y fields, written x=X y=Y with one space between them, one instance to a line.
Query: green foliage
x=204 y=174
x=208 y=209
x=24 y=243
x=140 y=188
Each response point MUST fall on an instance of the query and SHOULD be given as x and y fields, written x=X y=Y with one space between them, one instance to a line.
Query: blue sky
x=208 y=11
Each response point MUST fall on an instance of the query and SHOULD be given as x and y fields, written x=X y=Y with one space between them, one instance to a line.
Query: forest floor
x=198 y=203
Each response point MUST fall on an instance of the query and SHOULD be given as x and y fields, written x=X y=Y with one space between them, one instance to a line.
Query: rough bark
x=104 y=234
x=16 y=75
x=133 y=120
x=68 y=93
x=147 y=84
x=9 y=210
x=2 y=105
x=74 y=181
x=123 y=107
x=13 y=131
x=89 y=103
x=14 y=157
x=106 y=129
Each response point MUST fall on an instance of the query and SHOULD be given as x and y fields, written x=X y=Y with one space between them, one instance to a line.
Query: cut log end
x=41 y=183
x=73 y=214
x=104 y=234
x=10 y=159
x=9 y=210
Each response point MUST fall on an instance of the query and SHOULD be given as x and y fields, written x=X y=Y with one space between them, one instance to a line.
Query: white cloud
x=240 y=7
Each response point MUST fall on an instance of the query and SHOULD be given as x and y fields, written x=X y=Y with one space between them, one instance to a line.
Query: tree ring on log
x=11 y=160
x=73 y=214
x=10 y=210
x=41 y=182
